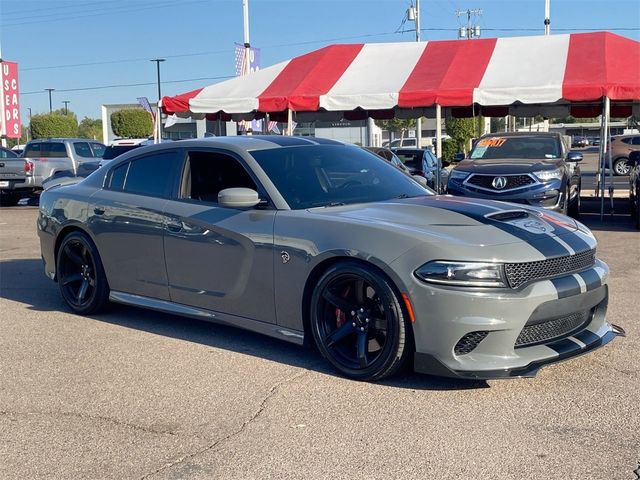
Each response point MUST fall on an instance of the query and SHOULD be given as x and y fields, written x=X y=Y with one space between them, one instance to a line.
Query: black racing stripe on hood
x=568 y=233
x=545 y=244
x=591 y=278
x=566 y=286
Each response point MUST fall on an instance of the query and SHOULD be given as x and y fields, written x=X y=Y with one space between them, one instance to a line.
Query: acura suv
x=535 y=169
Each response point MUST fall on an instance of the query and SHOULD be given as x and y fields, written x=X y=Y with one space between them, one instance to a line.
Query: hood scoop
x=508 y=215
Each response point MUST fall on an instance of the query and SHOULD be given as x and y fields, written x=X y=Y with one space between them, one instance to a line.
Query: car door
x=127 y=220
x=217 y=258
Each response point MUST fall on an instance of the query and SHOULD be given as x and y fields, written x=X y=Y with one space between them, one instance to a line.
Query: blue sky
x=197 y=37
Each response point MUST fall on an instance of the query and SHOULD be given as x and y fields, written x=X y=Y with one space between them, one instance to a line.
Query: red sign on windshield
x=10 y=102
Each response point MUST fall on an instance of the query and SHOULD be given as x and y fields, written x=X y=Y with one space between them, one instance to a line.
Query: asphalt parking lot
x=137 y=394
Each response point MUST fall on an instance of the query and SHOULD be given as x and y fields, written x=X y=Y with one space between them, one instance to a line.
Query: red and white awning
x=541 y=70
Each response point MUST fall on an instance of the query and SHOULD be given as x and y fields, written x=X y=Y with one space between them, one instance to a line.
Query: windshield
x=328 y=175
x=516 y=147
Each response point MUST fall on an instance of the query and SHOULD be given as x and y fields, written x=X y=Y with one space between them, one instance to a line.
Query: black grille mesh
x=470 y=341
x=552 y=329
x=513 y=181
x=519 y=274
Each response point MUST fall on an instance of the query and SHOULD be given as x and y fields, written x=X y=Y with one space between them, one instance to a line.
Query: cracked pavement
x=137 y=394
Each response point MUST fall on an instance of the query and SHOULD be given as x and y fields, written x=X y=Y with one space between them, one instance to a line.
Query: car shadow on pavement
x=23 y=281
x=618 y=221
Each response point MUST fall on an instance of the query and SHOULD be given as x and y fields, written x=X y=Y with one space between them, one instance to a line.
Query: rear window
x=516 y=147
x=54 y=150
x=82 y=149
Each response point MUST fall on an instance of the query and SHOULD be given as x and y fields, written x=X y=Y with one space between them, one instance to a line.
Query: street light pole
x=50 y=105
x=159 y=114
x=419 y=119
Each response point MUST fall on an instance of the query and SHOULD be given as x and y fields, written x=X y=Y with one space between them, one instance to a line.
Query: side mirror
x=574 y=157
x=458 y=157
x=238 y=198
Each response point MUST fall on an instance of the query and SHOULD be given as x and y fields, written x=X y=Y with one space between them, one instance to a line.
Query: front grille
x=552 y=329
x=519 y=274
x=470 y=341
x=513 y=181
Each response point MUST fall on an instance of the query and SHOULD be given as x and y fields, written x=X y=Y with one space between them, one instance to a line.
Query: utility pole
x=547 y=17
x=413 y=13
x=470 y=31
x=247 y=45
x=50 y=90
x=66 y=103
x=159 y=113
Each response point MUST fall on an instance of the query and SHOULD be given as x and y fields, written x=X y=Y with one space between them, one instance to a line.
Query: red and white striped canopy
x=541 y=70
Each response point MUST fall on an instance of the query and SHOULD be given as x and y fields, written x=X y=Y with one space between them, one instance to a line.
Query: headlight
x=472 y=274
x=546 y=175
x=458 y=175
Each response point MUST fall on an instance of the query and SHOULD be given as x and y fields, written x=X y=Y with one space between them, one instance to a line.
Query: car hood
x=470 y=222
x=507 y=166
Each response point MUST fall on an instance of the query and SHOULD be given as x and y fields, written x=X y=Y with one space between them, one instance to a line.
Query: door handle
x=98 y=211
x=174 y=226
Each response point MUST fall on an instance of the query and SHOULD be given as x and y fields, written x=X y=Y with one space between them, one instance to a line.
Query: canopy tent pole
x=600 y=155
x=289 y=122
x=156 y=123
x=438 y=130
x=606 y=151
x=611 y=186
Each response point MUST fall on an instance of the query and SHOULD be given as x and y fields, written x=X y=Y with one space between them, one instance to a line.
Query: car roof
x=67 y=139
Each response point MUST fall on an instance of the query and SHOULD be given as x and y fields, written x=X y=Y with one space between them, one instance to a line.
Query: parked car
x=634 y=186
x=393 y=159
x=42 y=159
x=595 y=141
x=621 y=147
x=534 y=168
x=314 y=241
x=118 y=147
x=579 y=142
x=423 y=163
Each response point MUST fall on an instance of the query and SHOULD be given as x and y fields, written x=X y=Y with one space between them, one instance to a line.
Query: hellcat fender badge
x=285 y=256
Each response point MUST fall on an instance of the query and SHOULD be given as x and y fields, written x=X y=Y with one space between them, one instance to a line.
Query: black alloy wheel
x=80 y=275
x=358 y=322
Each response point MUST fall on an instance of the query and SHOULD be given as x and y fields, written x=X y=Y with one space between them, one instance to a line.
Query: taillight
x=28 y=168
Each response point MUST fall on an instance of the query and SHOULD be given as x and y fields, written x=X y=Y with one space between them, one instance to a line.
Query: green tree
x=449 y=149
x=397 y=125
x=90 y=128
x=54 y=125
x=462 y=130
x=131 y=123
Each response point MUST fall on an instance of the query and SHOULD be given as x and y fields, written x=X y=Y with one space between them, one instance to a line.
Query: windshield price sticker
x=492 y=142
x=478 y=152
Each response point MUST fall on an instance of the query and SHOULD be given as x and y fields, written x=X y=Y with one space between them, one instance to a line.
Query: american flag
x=144 y=103
x=241 y=57
x=273 y=127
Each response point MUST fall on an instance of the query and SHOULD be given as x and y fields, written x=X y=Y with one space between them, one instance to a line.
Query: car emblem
x=499 y=183
x=285 y=256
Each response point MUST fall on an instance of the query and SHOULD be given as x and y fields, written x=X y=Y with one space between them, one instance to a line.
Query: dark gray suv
x=536 y=169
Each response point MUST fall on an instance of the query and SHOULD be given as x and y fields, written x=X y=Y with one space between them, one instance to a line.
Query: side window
x=82 y=149
x=33 y=150
x=98 y=149
x=118 y=176
x=54 y=150
x=207 y=173
x=153 y=174
x=626 y=140
x=636 y=141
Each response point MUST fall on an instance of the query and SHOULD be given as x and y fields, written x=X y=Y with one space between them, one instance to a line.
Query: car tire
x=621 y=167
x=10 y=199
x=358 y=322
x=574 y=208
x=80 y=275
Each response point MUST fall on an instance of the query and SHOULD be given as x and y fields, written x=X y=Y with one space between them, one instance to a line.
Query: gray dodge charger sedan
x=313 y=241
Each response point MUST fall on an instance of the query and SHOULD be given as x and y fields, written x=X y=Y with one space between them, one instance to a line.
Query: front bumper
x=548 y=195
x=447 y=315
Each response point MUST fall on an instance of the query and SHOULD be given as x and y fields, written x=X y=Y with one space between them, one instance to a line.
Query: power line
x=124 y=9
x=37 y=15
x=121 y=85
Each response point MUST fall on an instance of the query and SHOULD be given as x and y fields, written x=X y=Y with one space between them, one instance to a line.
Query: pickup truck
x=40 y=160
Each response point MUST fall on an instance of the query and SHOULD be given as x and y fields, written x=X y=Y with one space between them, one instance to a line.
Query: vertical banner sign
x=10 y=104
